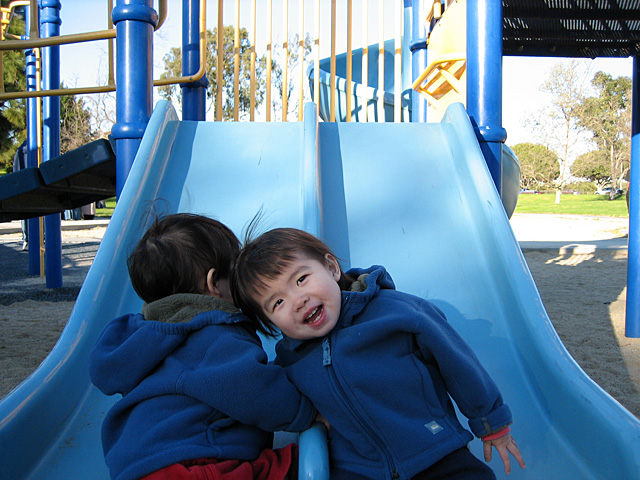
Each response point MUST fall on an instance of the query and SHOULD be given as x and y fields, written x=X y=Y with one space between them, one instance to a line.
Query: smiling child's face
x=304 y=300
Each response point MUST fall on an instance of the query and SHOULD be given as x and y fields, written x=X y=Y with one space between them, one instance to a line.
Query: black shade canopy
x=571 y=28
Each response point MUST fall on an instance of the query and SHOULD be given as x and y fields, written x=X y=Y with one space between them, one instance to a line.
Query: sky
x=85 y=64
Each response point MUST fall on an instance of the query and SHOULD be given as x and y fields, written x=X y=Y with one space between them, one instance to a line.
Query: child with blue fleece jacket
x=198 y=395
x=380 y=365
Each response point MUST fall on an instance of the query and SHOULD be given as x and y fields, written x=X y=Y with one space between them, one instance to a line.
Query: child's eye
x=277 y=304
x=301 y=279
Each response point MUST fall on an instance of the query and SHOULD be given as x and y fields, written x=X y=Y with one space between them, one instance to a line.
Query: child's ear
x=210 y=286
x=333 y=266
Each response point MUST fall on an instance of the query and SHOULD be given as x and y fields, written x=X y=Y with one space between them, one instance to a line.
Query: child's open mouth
x=314 y=316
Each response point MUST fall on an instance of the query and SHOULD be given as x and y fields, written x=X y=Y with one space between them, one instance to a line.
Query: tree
x=75 y=123
x=12 y=112
x=608 y=117
x=558 y=125
x=538 y=165
x=294 y=64
x=594 y=166
x=173 y=68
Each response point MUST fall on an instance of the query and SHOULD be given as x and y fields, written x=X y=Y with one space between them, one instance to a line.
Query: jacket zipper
x=327 y=361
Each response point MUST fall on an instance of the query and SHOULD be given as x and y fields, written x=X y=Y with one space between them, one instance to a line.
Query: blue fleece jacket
x=195 y=383
x=383 y=378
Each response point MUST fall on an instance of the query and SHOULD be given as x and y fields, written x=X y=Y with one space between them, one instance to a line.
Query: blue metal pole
x=632 y=327
x=418 y=58
x=50 y=27
x=135 y=21
x=193 y=94
x=33 y=239
x=484 y=80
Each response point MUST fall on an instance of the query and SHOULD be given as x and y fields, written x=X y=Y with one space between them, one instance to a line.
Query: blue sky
x=85 y=64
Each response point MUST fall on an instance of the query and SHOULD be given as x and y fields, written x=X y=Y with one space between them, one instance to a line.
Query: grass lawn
x=573 y=204
x=108 y=210
x=527 y=203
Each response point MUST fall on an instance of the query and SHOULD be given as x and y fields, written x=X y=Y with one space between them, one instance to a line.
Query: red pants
x=280 y=464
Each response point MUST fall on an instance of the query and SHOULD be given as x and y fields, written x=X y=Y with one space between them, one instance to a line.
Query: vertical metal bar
x=34 y=28
x=135 y=21
x=418 y=59
x=111 y=80
x=40 y=229
x=301 y=61
x=220 y=62
x=269 y=54
x=484 y=80
x=236 y=64
x=349 y=86
x=632 y=325
x=252 y=99
x=285 y=69
x=50 y=21
x=397 y=67
x=193 y=94
x=381 y=116
x=316 y=59
x=407 y=80
x=365 y=60
x=33 y=136
x=332 y=82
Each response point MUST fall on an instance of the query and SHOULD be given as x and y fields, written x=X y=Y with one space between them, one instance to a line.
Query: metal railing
x=364 y=12
x=34 y=41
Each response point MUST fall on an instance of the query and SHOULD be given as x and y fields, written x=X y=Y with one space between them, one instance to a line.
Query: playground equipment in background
x=432 y=216
x=430 y=194
x=80 y=177
x=444 y=81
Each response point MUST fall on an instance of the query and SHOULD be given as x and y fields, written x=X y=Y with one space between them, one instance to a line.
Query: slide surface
x=416 y=198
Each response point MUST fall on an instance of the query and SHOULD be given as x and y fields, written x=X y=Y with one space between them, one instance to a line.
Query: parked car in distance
x=524 y=190
x=607 y=191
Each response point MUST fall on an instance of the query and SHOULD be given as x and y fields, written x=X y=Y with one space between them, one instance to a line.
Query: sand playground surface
x=579 y=265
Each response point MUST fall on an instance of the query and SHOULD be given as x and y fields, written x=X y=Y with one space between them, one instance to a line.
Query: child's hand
x=504 y=445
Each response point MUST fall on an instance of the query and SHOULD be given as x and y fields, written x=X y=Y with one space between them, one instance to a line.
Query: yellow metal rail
x=386 y=8
x=109 y=34
x=444 y=79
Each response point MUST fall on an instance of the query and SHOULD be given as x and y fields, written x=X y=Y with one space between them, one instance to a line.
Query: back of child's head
x=177 y=251
x=264 y=259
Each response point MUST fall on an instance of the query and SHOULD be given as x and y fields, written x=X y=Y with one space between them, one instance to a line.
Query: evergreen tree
x=12 y=112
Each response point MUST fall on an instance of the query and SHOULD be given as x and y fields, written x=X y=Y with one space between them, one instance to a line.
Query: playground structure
x=339 y=181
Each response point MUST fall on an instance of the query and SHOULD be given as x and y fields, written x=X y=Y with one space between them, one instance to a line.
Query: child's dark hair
x=177 y=251
x=264 y=259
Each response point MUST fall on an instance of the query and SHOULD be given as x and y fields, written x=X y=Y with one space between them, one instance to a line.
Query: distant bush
x=582 y=187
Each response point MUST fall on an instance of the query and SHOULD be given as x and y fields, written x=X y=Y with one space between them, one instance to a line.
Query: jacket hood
x=369 y=281
x=133 y=345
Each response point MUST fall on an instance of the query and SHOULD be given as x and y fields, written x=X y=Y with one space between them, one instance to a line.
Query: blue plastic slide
x=416 y=198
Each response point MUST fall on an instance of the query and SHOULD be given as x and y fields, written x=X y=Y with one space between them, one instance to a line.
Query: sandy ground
x=578 y=263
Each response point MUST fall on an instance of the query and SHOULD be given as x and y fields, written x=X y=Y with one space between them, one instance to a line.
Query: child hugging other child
x=378 y=364
x=198 y=396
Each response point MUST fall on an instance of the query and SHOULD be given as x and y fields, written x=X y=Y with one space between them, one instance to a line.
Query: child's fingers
x=515 y=451
x=504 y=455
x=487 y=451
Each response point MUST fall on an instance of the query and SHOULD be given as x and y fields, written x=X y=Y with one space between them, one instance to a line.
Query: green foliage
x=12 y=117
x=588 y=204
x=538 y=165
x=582 y=187
x=173 y=68
x=594 y=166
x=75 y=123
x=608 y=117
